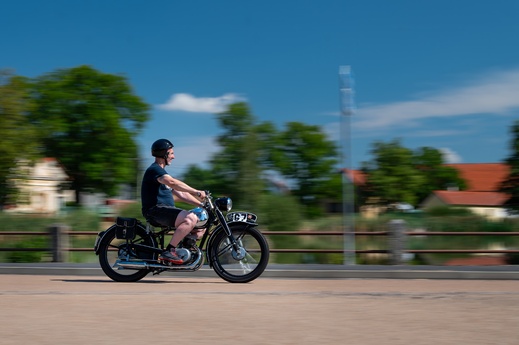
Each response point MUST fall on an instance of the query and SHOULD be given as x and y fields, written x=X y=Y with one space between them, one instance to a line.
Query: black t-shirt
x=152 y=192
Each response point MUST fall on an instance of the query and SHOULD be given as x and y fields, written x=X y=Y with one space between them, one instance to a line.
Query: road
x=46 y=309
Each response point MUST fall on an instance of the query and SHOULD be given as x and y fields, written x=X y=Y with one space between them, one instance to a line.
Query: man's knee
x=190 y=220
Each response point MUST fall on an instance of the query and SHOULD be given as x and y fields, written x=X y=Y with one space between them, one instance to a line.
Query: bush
x=26 y=256
x=81 y=219
x=445 y=211
x=280 y=213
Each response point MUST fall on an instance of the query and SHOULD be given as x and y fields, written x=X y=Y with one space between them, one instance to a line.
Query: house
x=39 y=187
x=487 y=204
x=481 y=196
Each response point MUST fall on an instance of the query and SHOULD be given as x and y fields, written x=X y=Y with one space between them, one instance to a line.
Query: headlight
x=224 y=204
x=202 y=215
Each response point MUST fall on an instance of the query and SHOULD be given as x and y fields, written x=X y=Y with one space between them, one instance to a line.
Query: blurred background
x=249 y=95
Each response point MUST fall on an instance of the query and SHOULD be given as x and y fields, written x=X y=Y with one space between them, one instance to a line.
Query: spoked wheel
x=112 y=249
x=244 y=263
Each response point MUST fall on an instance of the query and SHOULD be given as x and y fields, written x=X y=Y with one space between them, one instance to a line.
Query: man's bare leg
x=185 y=223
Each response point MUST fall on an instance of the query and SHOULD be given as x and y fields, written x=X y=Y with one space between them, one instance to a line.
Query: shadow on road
x=139 y=282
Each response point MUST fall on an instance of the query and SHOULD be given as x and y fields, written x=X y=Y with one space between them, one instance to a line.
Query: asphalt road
x=61 y=309
x=295 y=271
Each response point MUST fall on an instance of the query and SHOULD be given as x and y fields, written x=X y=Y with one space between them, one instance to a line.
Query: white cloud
x=190 y=103
x=436 y=133
x=449 y=156
x=495 y=93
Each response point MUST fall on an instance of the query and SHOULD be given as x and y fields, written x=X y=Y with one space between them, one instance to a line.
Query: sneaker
x=168 y=256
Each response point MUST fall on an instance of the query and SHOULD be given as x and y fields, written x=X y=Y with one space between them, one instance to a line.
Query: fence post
x=59 y=242
x=397 y=241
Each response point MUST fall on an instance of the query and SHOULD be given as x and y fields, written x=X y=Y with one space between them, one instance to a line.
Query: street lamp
x=348 y=198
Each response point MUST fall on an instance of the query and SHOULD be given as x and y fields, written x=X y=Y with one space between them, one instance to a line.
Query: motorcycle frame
x=206 y=242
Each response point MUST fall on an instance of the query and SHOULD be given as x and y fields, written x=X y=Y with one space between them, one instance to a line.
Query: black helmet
x=160 y=148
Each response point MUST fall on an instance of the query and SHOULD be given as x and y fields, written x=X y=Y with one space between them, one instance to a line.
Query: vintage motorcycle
x=233 y=245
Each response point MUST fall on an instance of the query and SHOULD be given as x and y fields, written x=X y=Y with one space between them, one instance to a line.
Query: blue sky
x=438 y=73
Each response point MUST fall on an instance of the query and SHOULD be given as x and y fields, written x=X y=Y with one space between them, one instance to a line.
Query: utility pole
x=348 y=197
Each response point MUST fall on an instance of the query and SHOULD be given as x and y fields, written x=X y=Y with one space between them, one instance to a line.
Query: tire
x=109 y=249
x=232 y=267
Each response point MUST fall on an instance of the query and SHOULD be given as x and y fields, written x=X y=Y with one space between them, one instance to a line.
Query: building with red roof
x=482 y=195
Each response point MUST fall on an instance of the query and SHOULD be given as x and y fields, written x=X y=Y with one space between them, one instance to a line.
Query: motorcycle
x=232 y=245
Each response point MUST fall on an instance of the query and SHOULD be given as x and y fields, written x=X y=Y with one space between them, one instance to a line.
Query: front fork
x=237 y=250
x=236 y=247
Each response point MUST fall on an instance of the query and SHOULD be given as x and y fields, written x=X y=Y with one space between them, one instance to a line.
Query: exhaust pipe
x=141 y=265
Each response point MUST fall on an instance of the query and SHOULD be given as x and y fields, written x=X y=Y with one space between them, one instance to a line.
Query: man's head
x=160 y=149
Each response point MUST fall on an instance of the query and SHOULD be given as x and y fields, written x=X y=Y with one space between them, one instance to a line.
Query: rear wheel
x=245 y=263
x=112 y=249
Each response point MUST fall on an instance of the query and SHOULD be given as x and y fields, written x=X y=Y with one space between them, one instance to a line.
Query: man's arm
x=185 y=197
x=180 y=186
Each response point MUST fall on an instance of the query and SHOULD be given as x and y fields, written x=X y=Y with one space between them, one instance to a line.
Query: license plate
x=245 y=217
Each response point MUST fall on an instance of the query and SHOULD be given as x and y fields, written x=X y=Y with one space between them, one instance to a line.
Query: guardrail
x=59 y=244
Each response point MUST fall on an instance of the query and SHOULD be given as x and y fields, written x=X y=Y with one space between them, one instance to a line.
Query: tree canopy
x=16 y=136
x=237 y=164
x=437 y=176
x=391 y=175
x=88 y=121
x=305 y=155
x=397 y=174
x=301 y=154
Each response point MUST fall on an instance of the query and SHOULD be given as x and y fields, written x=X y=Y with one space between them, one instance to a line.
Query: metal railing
x=59 y=243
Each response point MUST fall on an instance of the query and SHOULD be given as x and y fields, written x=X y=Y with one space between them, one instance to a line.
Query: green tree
x=397 y=174
x=88 y=120
x=429 y=161
x=391 y=175
x=17 y=137
x=237 y=165
x=268 y=140
x=510 y=185
x=303 y=154
x=219 y=177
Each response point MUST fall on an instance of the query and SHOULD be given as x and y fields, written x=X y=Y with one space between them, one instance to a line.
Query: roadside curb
x=296 y=271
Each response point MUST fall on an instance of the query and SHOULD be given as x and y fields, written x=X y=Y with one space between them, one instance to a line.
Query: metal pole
x=348 y=198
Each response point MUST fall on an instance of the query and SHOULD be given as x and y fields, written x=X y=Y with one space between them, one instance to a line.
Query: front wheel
x=244 y=263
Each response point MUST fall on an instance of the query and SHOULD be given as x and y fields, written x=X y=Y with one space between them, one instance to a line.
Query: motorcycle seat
x=157 y=225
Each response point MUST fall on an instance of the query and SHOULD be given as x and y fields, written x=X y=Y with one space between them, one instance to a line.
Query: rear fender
x=111 y=229
x=101 y=236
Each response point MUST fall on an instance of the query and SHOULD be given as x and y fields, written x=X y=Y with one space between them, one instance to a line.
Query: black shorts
x=163 y=215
